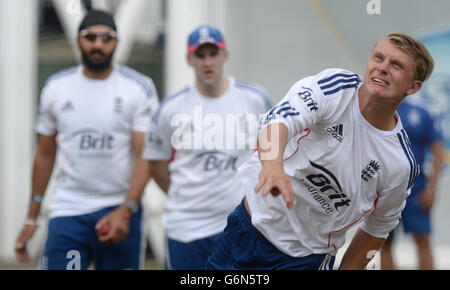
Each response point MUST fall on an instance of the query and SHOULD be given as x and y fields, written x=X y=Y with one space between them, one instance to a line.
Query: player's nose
x=383 y=66
x=98 y=43
x=208 y=60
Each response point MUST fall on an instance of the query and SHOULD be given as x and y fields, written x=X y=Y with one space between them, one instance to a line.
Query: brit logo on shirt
x=370 y=170
x=94 y=143
x=218 y=161
x=325 y=189
x=306 y=97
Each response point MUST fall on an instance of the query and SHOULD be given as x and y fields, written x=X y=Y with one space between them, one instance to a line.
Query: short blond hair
x=413 y=47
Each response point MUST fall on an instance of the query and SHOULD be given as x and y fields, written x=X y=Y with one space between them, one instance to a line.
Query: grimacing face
x=97 y=53
x=390 y=72
x=208 y=63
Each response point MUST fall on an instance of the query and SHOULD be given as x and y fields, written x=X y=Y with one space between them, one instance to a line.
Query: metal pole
x=70 y=13
x=102 y=5
x=182 y=17
x=128 y=18
x=18 y=75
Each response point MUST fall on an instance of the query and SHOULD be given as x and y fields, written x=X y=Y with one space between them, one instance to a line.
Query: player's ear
x=414 y=88
x=189 y=58
x=79 y=42
x=226 y=54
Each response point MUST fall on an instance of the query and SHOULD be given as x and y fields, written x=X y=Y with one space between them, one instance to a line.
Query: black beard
x=96 y=67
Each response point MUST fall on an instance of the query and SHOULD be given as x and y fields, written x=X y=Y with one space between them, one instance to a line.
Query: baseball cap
x=205 y=34
x=97 y=17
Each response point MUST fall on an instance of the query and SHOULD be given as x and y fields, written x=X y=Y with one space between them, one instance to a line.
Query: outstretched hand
x=273 y=180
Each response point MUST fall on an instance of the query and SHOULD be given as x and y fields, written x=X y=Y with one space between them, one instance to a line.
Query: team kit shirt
x=206 y=139
x=342 y=169
x=94 y=121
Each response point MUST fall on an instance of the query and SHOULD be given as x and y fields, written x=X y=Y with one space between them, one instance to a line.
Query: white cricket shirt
x=207 y=139
x=94 y=121
x=342 y=169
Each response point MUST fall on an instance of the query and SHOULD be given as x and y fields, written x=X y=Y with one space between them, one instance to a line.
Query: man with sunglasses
x=92 y=120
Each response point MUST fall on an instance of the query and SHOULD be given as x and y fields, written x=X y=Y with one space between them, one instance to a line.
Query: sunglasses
x=105 y=37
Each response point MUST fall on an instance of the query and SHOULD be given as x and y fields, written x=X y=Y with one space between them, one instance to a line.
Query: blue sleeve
x=434 y=131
